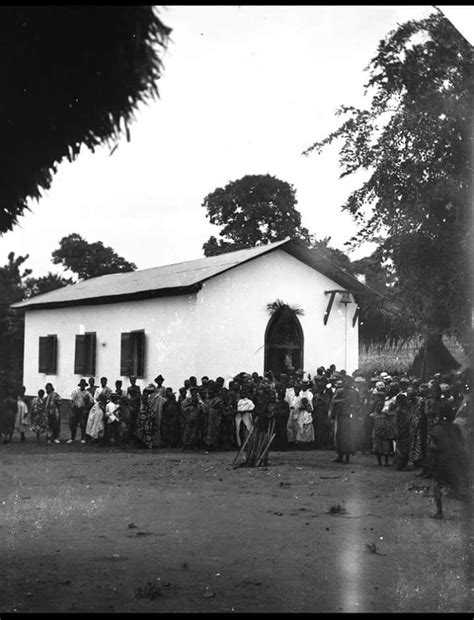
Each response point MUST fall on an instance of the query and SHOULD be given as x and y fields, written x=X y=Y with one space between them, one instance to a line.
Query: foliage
x=44 y=284
x=89 y=260
x=279 y=305
x=11 y=323
x=381 y=318
x=284 y=324
x=253 y=209
x=415 y=142
x=332 y=254
x=72 y=75
x=378 y=275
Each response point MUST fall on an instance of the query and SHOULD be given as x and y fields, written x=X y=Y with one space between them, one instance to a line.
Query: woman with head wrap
x=146 y=419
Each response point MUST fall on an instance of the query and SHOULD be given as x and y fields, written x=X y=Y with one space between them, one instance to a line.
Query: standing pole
x=345 y=341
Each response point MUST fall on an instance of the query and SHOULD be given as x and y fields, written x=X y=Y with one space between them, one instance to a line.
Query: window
x=132 y=353
x=48 y=347
x=84 y=358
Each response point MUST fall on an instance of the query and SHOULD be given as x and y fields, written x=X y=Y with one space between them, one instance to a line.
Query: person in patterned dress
x=146 y=419
x=39 y=418
x=417 y=427
x=193 y=410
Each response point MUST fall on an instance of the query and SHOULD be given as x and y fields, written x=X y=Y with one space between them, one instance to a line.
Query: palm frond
x=278 y=304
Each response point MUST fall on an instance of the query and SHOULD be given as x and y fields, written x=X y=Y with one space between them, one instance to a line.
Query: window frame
x=132 y=353
x=85 y=354
x=48 y=354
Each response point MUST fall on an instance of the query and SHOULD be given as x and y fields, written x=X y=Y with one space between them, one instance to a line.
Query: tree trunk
x=433 y=357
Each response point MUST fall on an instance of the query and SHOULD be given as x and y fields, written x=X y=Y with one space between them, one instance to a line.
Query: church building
x=278 y=307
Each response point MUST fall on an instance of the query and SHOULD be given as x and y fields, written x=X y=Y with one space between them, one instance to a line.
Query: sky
x=245 y=89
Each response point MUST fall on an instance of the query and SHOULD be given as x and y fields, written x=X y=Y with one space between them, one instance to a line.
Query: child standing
x=112 y=424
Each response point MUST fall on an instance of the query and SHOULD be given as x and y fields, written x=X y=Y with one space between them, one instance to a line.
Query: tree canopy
x=45 y=284
x=255 y=208
x=72 y=76
x=415 y=141
x=12 y=276
x=89 y=260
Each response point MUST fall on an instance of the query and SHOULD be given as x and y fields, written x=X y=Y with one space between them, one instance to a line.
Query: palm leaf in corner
x=278 y=304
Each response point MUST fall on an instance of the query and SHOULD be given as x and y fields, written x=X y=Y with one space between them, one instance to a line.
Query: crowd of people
x=390 y=416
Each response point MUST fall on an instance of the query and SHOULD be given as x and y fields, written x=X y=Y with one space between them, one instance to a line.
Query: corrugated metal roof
x=181 y=278
x=167 y=277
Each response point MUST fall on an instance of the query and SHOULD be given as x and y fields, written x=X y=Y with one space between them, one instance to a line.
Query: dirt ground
x=88 y=529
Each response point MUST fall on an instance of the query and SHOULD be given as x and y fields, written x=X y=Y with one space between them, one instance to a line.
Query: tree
x=16 y=283
x=11 y=323
x=255 y=208
x=382 y=320
x=45 y=284
x=333 y=254
x=415 y=141
x=72 y=76
x=89 y=260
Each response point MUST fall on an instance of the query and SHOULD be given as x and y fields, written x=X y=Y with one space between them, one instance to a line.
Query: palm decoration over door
x=283 y=338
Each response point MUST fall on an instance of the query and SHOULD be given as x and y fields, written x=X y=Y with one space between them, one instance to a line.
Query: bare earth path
x=85 y=529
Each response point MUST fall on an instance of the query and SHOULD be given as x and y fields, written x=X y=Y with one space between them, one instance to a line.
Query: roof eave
x=109 y=299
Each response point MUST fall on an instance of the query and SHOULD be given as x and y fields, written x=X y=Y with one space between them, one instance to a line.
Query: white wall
x=169 y=325
x=232 y=316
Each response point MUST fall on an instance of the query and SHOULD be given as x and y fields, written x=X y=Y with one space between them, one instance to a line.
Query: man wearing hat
x=81 y=403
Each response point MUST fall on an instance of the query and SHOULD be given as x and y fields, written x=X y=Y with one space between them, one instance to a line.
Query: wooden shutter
x=48 y=346
x=139 y=351
x=80 y=355
x=90 y=354
x=125 y=355
x=43 y=354
x=53 y=354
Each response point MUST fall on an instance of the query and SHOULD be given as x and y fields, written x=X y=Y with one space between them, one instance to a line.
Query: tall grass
x=375 y=358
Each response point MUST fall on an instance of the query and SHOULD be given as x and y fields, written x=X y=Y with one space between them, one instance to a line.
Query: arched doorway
x=283 y=342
